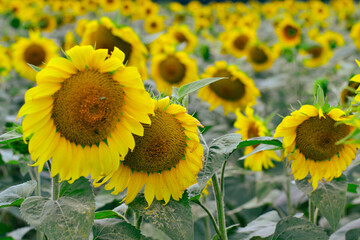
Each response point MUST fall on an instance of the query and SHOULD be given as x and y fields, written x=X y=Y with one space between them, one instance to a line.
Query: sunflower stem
x=219 y=197
x=211 y=218
x=55 y=181
x=207 y=228
x=288 y=188
x=138 y=221
x=222 y=176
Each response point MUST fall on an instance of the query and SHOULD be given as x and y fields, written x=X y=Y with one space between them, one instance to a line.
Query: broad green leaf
x=329 y=197
x=340 y=234
x=298 y=229
x=353 y=234
x=260 y=140
x=14 y=196
x=69 y=217
x=260 y=148
x=194 y=86
x=262 y=226
x=11 y=136
x=352 y=187
x=174 y=218
x=110 y=229
x=37 y=69
x=107 y=214
x=219 y=150
x=19 y=233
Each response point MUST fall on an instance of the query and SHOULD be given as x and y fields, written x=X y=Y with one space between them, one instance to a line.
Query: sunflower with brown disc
x=237 y=41
x=251 y=126
x=34 y=50
x=173 y=69
x=288 y=32
x=166 y=159
x=260 y=56
x=83 y=113
x=237 y=90
x=182 y=35
x=310 y=136
x=105 y=35
x=317 y=54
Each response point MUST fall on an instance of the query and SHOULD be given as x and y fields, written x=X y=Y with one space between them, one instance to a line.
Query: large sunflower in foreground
x=237 y=90
x=35 y=50
x=173 y=69
x=106 y=35
x=251 y=126
x=83 y=112
x=166 y=159
x=310 y=136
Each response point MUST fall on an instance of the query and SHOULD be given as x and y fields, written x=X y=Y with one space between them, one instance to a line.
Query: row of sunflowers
x=157 y=102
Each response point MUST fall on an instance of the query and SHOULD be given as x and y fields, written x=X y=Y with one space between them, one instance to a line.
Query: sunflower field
x=141 y=119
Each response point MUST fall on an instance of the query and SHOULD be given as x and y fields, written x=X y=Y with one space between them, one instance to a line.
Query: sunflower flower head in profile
x=166 y=159
x=83 y=113
x=310 y=137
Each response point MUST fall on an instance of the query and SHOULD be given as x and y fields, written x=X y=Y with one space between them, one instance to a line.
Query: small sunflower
x=154 y=24
x=35 y=50
x=182 y=35
x=127 y=7
x=236 y=41
x=319 y=54
x=110 y=5
x=106 y=35
x=355 y=34
x=251 y=126
x=288 y=32
x=83 y=112
x=349 y=92
x=166 y=159
x=5 y=62
x=355 y=81
x=310 y=137
x=236 y=91
x=260 y=57
x=173 y=69
x=46 y=23
x=69 y=41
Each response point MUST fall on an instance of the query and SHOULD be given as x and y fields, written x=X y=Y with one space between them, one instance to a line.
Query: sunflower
x=106 y=35
x=355 y=34
x=173 y=69
x=154 y=24
x=81 y=26
x=166 y=159
x=251 y=126
x=349 y=92
x=34 y=50
x=355 y=81
x=5 y=62
x=69 y=41
x=235 y=91
x=162 y=44
x=319 y=54
x=260 y=57
x=46 y=23
x=237 y=41
x=83 y=112
x=310 y=136
x=110 y=5
x=288 y=32
x=182 y=34
x=127 y=7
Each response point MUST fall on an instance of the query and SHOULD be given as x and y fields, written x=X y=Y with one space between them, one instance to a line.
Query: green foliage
x=12 y=136
x=15 y=195
x=298 y=229
x=174 y=219
x=108 y=229
x=107 y=214
x=69 y=217
x=37 y=69
x=341 y=232
x=329 y=197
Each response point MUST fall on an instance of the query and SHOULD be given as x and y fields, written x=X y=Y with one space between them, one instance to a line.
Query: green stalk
x=211 y=218
x=311 y=211
x=220 y=207
x=55 y=187
x=288 y=189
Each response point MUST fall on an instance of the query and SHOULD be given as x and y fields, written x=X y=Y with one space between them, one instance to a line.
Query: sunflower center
x=153 y=25
x=241 y=41
x=231 y=89
x=105 y=39
x=162 y=146
x=180 y=37
x=290 y=32
x=87 y=107
x=258 y=55
x=172 y=70
x=316 y=137
x=315 y=51
x=35 y=55
x=252 y=132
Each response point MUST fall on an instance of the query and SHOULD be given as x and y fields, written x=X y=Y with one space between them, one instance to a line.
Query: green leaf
x=353 y=234
x=262 y=226
x=219 y=150
x=37 y=69
x=174 y=218
x=194 y=86
x=340 y=234
x=14 y=196
x=109 y=229
x=69 y=217
x=260 y=148
x=329 y=197
x=11 y=136
x=298 y=229
x=352 y=188
x=260 y=140
x=107 y=214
